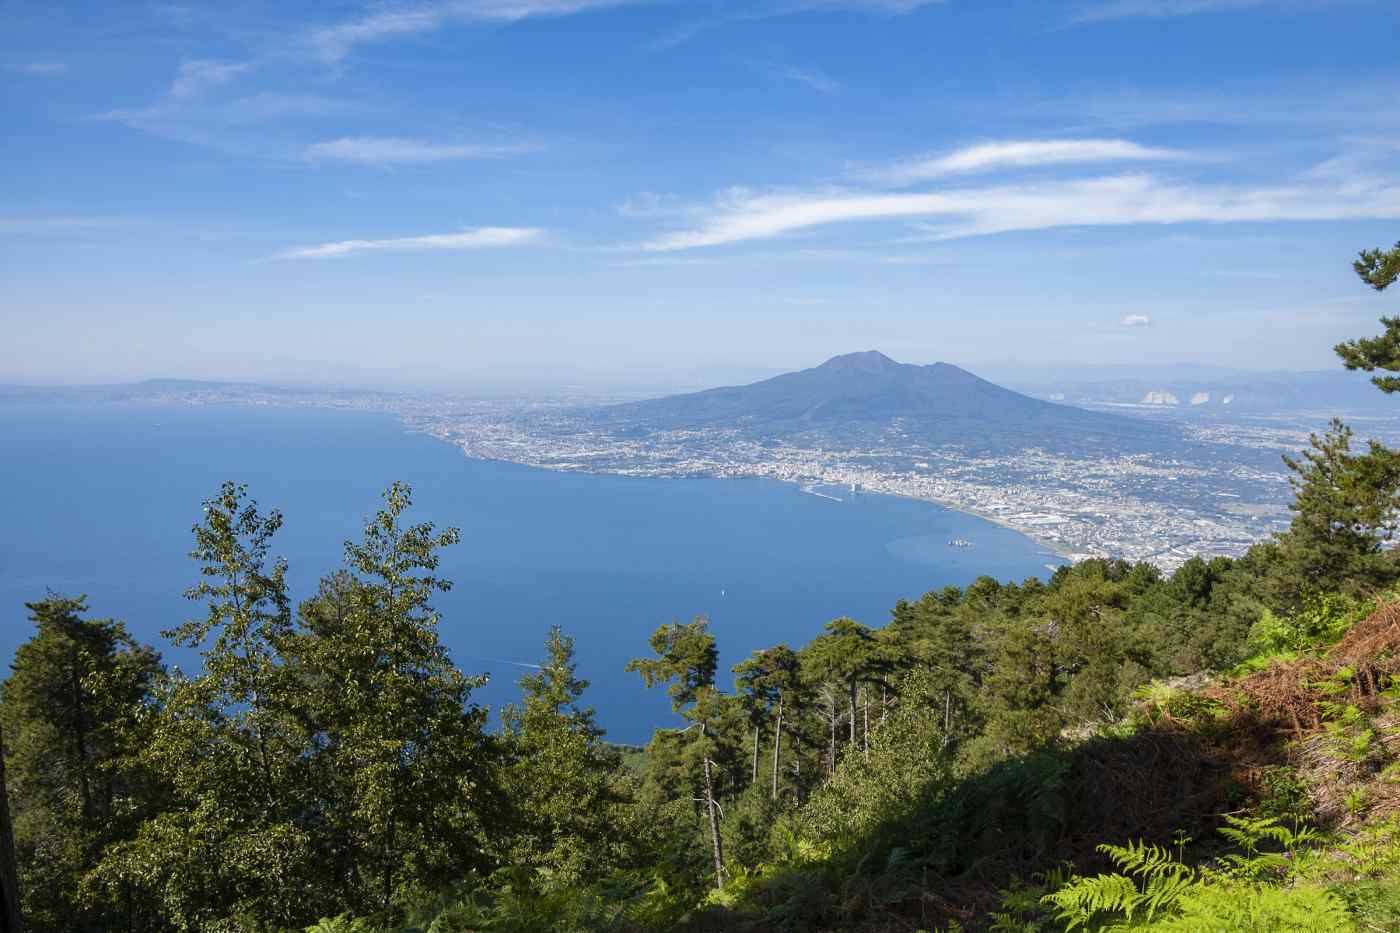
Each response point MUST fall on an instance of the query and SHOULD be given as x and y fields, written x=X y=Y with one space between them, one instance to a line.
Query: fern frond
x=1078 y=902
x=1163 y=892
x=1142 y=860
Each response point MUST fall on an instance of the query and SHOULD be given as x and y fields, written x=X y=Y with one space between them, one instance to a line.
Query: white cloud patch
x=193 y=110
x=197 y=76
x=332 y=43
x=770 y=9
x=1161 y=9
x=1115 y=200
x=994 y=156
x=811 y=77
x=39 y=68
x=1136 y=320
x=379 y=150
x=478 y=238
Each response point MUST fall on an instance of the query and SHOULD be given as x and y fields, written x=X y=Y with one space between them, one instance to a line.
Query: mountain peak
x=864 y=361
x=861 y=397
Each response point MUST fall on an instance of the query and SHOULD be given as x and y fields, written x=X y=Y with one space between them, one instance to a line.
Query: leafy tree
x=231 y=849
x=562 y=776
x=74 y=713
x=418 y=776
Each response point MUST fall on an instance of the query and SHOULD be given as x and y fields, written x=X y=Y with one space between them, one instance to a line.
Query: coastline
x=1051 y=547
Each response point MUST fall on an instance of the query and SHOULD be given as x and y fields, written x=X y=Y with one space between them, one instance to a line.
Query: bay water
x=99 y=500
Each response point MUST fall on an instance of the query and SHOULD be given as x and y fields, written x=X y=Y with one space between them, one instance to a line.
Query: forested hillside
x=1214 y=750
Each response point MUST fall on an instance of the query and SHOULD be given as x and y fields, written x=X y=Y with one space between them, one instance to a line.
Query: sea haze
x=100 y=500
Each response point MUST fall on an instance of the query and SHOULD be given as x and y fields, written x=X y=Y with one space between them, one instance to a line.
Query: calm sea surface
x=100 y=501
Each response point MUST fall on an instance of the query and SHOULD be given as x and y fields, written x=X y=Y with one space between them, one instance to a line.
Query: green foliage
x=75 y=713
x=317 y=763
x=1379 y=269
x=1322 y=620
x=330 y=762
x=562 y=778
x=907 y=762
x=1344 y=512
x=1284 y=796
x=1154 y=890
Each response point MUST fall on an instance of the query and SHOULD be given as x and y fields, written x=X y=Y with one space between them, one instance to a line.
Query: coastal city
x=1128 y=507
x=1223 y=490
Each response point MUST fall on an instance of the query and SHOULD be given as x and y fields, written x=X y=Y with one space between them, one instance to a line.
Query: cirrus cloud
x=1114 y=200
x=476 y=238
x=380 y=150
x=39 y=68
x=332 y=43
x=992 y=156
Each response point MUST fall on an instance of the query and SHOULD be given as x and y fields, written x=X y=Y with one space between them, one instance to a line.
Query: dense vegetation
x=1209 y=750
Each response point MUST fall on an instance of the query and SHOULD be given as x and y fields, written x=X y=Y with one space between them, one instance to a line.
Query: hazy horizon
x=1010 y=372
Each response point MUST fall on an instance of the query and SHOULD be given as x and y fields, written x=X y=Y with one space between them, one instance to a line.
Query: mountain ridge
x=867 y=394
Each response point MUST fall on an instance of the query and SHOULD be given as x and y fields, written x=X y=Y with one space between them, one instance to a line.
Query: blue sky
x=503 y=194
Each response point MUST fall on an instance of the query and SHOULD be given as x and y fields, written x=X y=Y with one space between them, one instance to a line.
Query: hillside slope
x=869 y=395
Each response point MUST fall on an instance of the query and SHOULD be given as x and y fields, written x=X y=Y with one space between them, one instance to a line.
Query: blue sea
x=100 y=501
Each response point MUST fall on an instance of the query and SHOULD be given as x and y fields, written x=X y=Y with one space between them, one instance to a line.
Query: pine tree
x=846 y=655
x=74 y=713
x=686 y=660
x=1378 y=269
x=561 y=777
x=771 y=683
x=1344 y=511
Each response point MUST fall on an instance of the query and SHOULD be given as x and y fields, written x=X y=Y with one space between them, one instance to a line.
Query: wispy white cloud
x=1115 y=200
x=1136 y=320
x=1104 y=10
x=775 y=8
x=332 y=43
x=477 y=238
x=390 y=150
x=19 y=225
x=993 y=156
x=654 y=205
x=199 y=75
x=235 y=125
x=811 y=77
x=38 y=68
x=193 y=110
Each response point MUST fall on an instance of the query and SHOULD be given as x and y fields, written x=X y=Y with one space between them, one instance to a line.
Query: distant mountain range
x=864 y=397
x=1336 y=392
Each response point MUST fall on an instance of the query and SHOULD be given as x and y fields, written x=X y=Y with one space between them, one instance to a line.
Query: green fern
x=1235 y=908
x=1153 y=889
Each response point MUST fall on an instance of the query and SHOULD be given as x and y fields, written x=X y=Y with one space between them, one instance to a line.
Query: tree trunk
x=753 y=776
x=777 y=745
x=947 y=717
x=865 y=727
x=831 y=745
x=10 y=921
x=852 y=700
x=80 y=736
x=389 y=864
x=714 y=826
